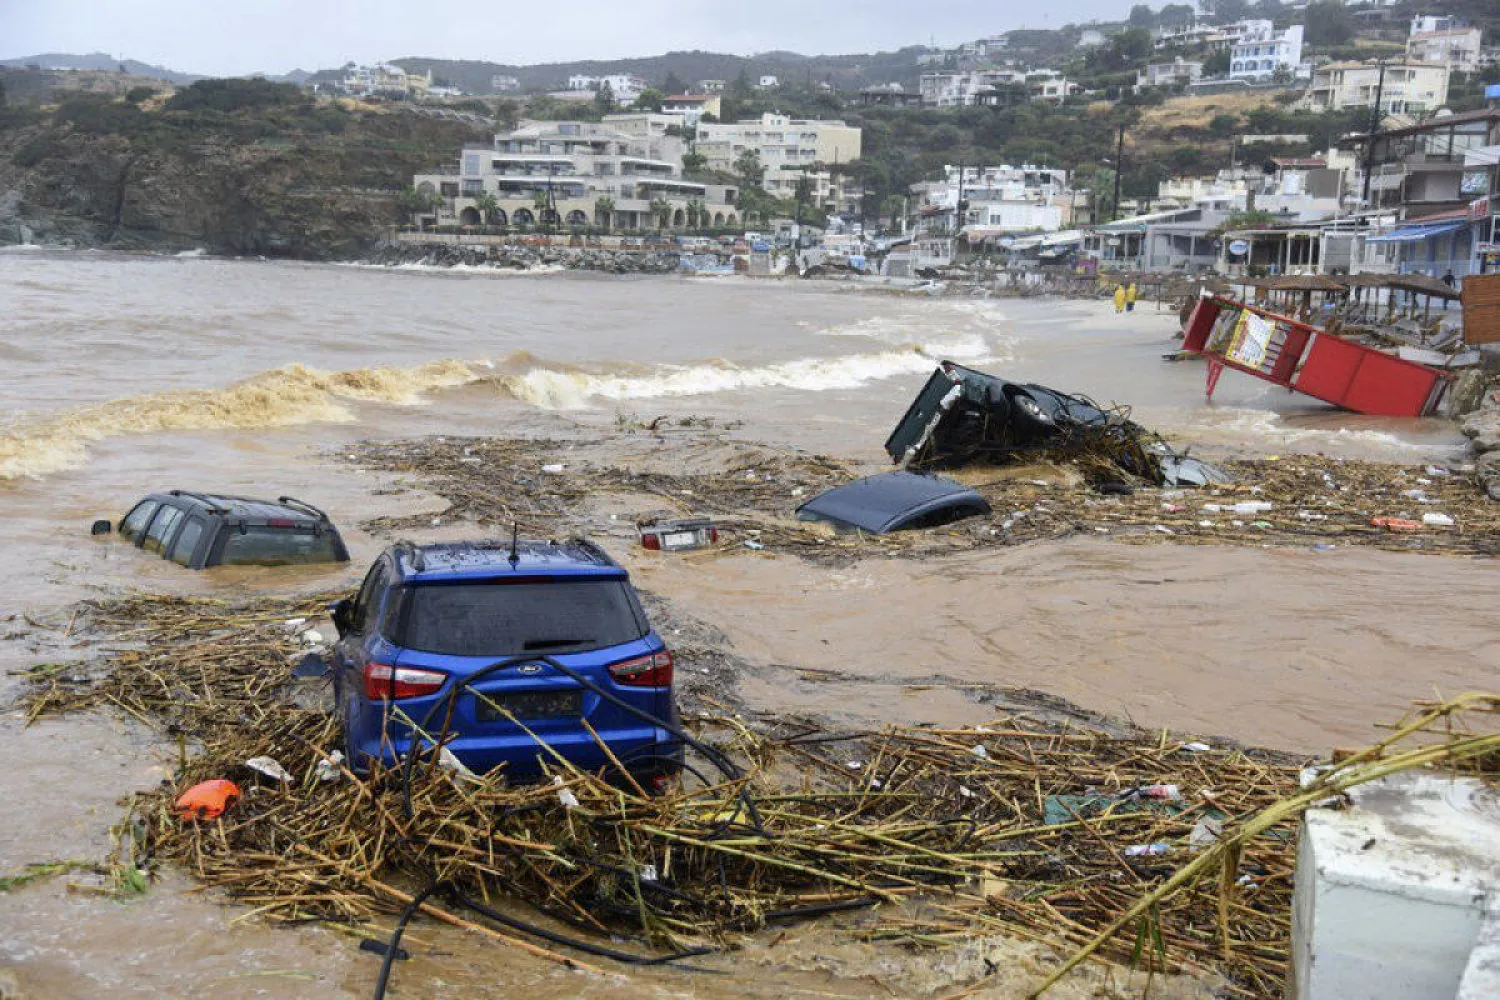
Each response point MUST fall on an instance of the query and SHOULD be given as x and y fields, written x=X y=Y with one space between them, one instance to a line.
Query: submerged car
x=894 y=501
x=502 y=647
x=963 y=415
x=199 y=530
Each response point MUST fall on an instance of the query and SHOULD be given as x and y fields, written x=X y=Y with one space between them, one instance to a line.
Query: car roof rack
x=302 y=505
x=413 y=553
x=592 y=549
x=213 y=504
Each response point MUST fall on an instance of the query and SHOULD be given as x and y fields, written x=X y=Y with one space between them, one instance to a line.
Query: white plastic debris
x=1436 y=520
x=1205 y=832
x=1213 y=508
x=1146 y=850
x=295 y=623
x=798 y=491
x=312 y=637
x=553 y=468
x=329 y=769
x=648 y=873
x=753 y=545
x=1433 y=470
x=1252 y=506
x=1308 y=515
x=979 y=751
x=449 y=762
x=1197 y=747
x=565 y=795
x=965 y=791
x=1205 y=524
x=1163 y=529
x=855 y=765
x=270 y=767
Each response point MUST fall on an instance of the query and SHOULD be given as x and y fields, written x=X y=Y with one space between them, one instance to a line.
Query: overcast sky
x=275 y=36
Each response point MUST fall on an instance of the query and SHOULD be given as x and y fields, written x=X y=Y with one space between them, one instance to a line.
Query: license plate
x=530 y=705
x=677 y=539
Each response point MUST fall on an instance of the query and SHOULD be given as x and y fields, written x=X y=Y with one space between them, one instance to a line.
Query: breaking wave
x=556 y=388
x=277 y=398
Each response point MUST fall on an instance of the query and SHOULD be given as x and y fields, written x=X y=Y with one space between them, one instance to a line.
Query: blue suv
x=502 y=645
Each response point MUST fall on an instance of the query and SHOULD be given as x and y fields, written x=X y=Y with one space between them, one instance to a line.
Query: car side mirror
x=101 y=527
x=339 y=611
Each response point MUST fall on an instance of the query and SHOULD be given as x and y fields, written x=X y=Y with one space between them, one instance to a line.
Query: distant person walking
x=1119 y=298
x=1130 y=298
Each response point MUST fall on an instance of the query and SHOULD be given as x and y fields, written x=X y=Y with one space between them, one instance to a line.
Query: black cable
x=391 y=948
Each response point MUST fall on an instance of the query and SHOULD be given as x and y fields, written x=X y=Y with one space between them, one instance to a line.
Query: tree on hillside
x=673 y=85
x=604 y=98
x=661 y=210
x=741 y=88
x=1142 y=16
x=650 y=100
x=1328 y=22
x=693 y=161
x=1174 y=14
x=1217 y=64
x=749 y=169
x=2 y=93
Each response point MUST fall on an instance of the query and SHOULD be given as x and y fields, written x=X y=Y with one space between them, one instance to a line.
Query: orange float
x=207 y=799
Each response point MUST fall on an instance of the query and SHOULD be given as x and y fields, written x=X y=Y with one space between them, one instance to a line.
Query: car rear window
x=262 y=545
x=511 y=619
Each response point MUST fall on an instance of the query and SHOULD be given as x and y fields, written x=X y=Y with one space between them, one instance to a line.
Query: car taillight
x=713 y=534
x=383 y=681
x=652 y=541
x=645 y=671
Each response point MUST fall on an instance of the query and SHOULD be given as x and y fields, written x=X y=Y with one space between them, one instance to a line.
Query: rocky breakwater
x=1482 y=427
x=524 y=257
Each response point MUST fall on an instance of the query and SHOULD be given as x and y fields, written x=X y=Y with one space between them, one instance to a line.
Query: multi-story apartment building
x=1444 y=40
x=962 y=89
x=1006 y=198
x=578 y=174
x=1165 y=74
x=789 y=149
x=625 y=86
x=384 y=80
x=1262 y=51
x=502 y=84
x=1407 y=88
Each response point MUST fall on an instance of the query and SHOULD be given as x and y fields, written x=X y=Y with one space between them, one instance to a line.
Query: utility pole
x=1374 y=128
x=1114 y=212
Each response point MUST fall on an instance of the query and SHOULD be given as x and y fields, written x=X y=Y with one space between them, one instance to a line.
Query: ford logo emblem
x=529 y=668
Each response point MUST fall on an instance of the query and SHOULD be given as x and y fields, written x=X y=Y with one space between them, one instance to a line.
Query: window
x=130 y=528
x=161 y=528
x=506 y=619
x=262 y=545
x=368 y=592
x=449 y=189
x=187 y=541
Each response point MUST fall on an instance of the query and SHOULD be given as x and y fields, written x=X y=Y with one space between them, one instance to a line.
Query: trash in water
x=564 y=794
x=1252 y=507
x=678 y=535
x=1169 y=793
x=270 y=767
x=330 y=768
x=1394 y=524
x=1436 y=520
x=751 y=543
x=553 y=468
x=1207 y=831
x=208 y=799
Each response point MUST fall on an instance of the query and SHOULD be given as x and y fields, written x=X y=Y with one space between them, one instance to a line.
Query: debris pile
x=1019 y=827
x=1295 y=501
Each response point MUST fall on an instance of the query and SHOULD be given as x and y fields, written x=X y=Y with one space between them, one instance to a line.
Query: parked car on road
x=198 y=530
x=515 y=645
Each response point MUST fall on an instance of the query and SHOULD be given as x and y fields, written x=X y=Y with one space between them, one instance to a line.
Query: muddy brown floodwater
x=123 y=375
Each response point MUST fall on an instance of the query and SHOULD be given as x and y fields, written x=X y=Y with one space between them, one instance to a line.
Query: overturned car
x=963 y=416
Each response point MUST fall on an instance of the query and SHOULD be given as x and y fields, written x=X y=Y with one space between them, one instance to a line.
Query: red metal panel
x=1200 y=322
x=1329 y=369
x=1364 y=380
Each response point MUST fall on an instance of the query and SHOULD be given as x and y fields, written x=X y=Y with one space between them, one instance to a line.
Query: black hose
x=571 y=942
x=394 y=945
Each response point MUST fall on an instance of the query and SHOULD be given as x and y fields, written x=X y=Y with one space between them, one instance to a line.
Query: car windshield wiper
x=553 y=643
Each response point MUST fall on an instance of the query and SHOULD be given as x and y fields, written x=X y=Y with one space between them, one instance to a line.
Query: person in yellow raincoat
x=1130 y=298
x=1119 y=298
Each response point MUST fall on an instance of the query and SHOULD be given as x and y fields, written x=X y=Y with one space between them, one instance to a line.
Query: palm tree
x=697 y=214
x=541 y=203
x=662 y=209
x=486 y=205
x=604 y=209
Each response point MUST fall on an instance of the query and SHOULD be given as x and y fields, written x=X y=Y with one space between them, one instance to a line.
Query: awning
x=1414 y=234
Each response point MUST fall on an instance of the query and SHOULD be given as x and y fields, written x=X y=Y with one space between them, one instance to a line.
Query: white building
x=579 y=174
x=1409 y=87
x=1262 y=51
x=625 y=86
x=1166 y=74
x=502 y=84
x=768 y=81
x=1050 y=85
x=1091 y=38
x=789 y=149
x=384 y=80
x=963 y=89
x=999 y=200
x=712 y=86
x=1455 y=46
